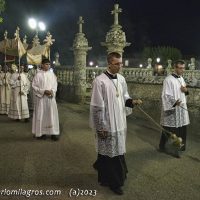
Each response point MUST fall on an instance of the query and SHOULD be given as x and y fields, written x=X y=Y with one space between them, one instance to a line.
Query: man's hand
x=184 y=89
x=102 y=134
x=48 y=92
x=178 y=102
x=137 y=102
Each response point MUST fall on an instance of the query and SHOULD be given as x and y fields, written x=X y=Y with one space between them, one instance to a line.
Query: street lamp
x=158 y=60
x=91 y=63
x=34 y=24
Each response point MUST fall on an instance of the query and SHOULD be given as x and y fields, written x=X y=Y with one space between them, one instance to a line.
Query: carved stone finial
x=149 y=62
x=169 y=63
x=115 y=38
x=192 y=64
x=57 y=62
x=6 y=35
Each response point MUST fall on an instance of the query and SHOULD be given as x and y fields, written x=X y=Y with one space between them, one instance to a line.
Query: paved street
x=30 y=164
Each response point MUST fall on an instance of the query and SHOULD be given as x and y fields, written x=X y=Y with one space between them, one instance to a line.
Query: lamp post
x=36 y=25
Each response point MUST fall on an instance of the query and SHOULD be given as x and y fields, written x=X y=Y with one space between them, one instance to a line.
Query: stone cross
x=116 y=12
x=80 y=23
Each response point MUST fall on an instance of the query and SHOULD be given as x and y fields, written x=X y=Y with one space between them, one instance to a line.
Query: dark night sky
x=174 y=23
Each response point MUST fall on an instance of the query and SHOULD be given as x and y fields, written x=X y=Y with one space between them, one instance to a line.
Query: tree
x=164 y=53
x=2 y=8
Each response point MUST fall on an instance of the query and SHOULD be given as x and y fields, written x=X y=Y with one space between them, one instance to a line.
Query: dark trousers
x=180 y=132
x=111 y=171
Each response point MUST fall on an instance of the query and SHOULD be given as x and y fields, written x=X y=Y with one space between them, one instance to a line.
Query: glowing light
x=42 y=26
x=158 y=60
x=91 y=63
x=32 y=23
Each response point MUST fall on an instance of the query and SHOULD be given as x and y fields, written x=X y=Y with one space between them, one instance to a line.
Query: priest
x=19 y=84
x=110 y=103
x=5 y=90
x=174 y=113
x=45 y=113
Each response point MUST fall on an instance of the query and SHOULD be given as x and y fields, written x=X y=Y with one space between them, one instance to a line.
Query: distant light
x=160 y=66
x=91 y=63
x=30 y=66
x=32 y=23
x=141 y=65
x=54 y=62
x=96 y=66
x=158 y=60
x=41 y=26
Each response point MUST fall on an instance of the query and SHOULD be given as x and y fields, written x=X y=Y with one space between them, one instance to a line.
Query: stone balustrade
x=141 y=75
x=65 y=75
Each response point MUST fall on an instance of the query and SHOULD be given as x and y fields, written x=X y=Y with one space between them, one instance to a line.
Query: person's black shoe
x=161 y=150
x=95 y=166
x=17 y=120
x=43 y=137
x=104 y=184
x=117 y=190
x=55 y=137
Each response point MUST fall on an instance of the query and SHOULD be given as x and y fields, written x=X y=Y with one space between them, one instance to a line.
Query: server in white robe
x=174 y=114
x=18 y=100
x=45 y=114
x=5 y=91
x=110 y=103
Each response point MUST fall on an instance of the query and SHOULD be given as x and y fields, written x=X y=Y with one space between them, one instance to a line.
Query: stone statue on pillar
x=80 y=49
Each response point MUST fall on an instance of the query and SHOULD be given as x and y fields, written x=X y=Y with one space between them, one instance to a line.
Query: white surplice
x=174 y=116
x=108 y=112
x=18 y=103
x=45 y=114
x=4 y=92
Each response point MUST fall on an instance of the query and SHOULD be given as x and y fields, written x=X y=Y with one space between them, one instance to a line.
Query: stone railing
x=145 y=76
x=65 y=75
x=132 y=75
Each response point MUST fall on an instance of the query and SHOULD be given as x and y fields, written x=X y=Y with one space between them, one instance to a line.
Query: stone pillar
x=80 y=48
x=115 y=38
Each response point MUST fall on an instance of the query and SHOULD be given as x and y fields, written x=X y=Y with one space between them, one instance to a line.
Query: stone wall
x=151 y=95
x=141 y=83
